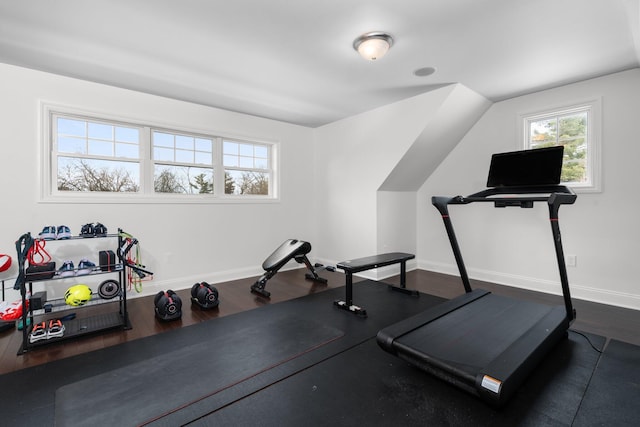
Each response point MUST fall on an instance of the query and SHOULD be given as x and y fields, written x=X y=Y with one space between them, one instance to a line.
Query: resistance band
x=136 y=272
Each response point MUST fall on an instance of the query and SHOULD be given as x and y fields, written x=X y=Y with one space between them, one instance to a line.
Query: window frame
x=49 y=192
x=214 y=165
x=55 y=154
x=593 y=136
x=238 y=168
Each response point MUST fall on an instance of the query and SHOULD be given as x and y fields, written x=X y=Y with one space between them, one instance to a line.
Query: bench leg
x=403 y=282
x=349 y=289
x=348 y=303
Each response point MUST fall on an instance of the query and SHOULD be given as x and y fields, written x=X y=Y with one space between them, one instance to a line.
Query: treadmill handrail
x=560 y=194
x=554 y=195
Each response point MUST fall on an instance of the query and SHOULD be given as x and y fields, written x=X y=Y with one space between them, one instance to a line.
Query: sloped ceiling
x=453 y=119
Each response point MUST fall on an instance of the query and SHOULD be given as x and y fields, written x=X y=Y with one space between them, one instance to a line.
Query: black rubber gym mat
x=384 y=305
x=27 y=396
x=343 y=380
x=140 y=391
x=366 y=386
x=614 y=392
x=237 y=360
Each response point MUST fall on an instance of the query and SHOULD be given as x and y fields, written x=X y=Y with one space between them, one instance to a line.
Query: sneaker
x=56 y=328
x=63 y=232
x=99 y=230
x=85 y=267
x=86 y=230
x=67 y=269
x=38 y=333
x=48 y=233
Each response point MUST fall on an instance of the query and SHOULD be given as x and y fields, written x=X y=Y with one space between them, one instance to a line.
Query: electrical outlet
x=571 y=260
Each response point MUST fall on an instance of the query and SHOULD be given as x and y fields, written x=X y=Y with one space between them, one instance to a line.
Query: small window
x=575 y=129
x=183 y=164
x=247 y=168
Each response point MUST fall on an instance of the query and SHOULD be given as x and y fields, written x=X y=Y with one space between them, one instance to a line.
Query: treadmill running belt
x=472 y=336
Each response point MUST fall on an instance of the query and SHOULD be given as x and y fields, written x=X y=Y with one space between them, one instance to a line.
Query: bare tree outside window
x=88 y=175
x=183 y=180
x=247 y=183
x=247 y=168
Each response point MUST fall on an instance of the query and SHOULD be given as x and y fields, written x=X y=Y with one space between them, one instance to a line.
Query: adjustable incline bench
x=368 y=263
x=290 y=249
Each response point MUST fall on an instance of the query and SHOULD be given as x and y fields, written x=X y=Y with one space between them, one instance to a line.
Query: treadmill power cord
x=588 y=340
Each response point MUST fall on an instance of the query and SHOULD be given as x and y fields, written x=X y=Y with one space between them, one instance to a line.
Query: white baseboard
x=600 y=296
x=152 y=287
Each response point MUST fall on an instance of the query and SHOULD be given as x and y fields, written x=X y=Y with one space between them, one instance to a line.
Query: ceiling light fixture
x=373 y=45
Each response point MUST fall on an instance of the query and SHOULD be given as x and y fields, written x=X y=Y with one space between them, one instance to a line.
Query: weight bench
x=368 y=263
x=290 y=249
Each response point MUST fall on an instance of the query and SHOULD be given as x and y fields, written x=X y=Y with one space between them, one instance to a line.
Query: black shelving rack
x=97 y=315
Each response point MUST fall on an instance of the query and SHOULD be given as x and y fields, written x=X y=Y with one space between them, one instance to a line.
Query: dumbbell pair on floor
x=168 y=305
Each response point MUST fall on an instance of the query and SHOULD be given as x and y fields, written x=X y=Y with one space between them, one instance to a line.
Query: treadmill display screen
x=540 y=166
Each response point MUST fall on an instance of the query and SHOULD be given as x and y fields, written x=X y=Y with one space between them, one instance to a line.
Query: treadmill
x=484 y=343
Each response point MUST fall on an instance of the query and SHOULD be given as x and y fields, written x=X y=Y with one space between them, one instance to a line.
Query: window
x=182 y=163
x=575 y=129
x=92 y=155
x=246 y=168
x=97 y=157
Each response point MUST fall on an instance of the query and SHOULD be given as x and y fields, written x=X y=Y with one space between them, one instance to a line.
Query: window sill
x=137 y=199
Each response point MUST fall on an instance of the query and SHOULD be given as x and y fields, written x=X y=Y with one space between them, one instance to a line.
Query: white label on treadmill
x=491 y=384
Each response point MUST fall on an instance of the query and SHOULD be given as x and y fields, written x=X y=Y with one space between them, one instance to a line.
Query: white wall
x=182 y=244
x=369 y=167
x=353 y=158
x=514 y=246
x=397 y=221
x=331 y=179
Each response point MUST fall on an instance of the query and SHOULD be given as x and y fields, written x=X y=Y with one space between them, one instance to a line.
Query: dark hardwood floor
x=609 y=321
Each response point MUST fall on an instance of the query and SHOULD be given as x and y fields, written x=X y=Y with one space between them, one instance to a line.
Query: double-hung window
x=183 y=164
x=91 y=155
x=247 y=168
x=93 y=158
x=577 y=129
